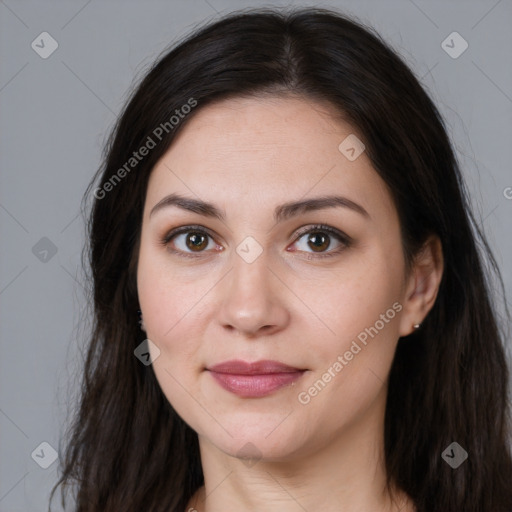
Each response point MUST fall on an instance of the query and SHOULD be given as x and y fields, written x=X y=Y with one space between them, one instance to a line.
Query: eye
x=192 y=241
x=319 y=239
x=189 y=240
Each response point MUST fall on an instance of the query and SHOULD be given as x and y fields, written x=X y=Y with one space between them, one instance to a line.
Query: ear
x=422 y=285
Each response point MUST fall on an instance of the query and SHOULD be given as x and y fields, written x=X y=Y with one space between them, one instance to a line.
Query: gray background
x=56 y=113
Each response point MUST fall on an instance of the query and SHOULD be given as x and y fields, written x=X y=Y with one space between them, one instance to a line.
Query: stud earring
x=141 y=321
x=417 y=326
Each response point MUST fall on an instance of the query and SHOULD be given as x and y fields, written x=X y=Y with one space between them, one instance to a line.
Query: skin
x=247 y=156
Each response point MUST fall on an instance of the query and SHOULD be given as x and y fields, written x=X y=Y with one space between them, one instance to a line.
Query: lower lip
x=253 y=386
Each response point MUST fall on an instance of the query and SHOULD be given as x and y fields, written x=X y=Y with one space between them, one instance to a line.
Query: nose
x=253 y=299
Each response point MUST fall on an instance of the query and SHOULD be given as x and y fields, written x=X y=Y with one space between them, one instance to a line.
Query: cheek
x=166 y=294
x=351 y=363
x=360 y=298
x=167 y=302
x=361 y=307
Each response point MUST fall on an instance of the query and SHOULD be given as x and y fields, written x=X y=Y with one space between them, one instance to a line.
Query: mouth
x=253 y=380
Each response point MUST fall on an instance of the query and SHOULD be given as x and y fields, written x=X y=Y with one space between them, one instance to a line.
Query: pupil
x=195 y=240
x=322 y=243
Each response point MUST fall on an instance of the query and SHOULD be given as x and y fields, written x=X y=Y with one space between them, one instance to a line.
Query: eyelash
x=341 y=237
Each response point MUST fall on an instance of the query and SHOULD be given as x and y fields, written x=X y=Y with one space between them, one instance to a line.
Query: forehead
x=260 y=126
x=266 y=150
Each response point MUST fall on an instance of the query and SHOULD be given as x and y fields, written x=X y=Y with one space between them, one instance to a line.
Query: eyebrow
x=282 y=212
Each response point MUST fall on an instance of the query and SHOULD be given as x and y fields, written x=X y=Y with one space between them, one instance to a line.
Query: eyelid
x=343 y=238
x=323 y=227
x=185 y=229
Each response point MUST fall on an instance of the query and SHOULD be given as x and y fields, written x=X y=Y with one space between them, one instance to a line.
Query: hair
x=127 y=449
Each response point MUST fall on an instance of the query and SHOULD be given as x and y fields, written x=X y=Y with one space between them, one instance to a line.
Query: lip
x=257 y=379
x=265 y=366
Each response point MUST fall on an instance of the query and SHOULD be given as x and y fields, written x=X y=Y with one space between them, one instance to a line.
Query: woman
x=291 y=312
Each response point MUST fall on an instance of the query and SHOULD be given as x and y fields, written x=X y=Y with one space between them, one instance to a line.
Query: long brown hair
x=127 y=449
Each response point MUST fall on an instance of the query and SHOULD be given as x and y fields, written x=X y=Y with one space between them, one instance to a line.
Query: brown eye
x=196 y=241
x=187 y=241
x=319 y=241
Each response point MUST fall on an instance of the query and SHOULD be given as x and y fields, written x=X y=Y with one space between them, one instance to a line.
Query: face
x=250 y=278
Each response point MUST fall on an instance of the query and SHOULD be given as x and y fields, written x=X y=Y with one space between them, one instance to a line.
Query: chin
x=269 y=440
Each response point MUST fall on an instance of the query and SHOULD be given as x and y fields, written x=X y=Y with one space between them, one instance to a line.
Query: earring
x=417 y=326
x=141 y=321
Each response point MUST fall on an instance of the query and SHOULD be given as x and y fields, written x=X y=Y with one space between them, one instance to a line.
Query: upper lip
x=238 y=367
